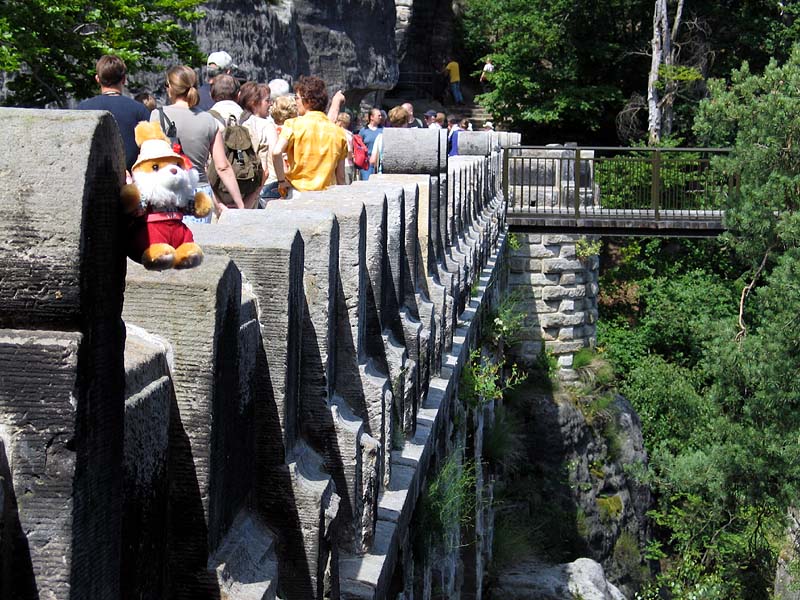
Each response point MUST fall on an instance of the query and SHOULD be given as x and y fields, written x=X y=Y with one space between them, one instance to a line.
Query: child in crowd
x=147 y=99
x=283 y=108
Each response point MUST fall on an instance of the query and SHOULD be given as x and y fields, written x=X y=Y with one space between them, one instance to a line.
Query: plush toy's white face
x=164 y=184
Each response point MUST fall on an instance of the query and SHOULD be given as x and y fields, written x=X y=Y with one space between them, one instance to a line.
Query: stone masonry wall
x=260 y=426
x=558 y=292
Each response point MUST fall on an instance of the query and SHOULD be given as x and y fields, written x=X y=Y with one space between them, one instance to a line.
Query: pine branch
x=746 y=292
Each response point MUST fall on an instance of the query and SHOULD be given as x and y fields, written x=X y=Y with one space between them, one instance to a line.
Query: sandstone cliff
x=349 y=43
x=570 y=491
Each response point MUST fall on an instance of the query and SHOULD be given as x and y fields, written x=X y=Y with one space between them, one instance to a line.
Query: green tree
x=679 y=313
x=724 y=489
x=557 y=61
x=49 y=47
x=758 y=114
x=577 y=65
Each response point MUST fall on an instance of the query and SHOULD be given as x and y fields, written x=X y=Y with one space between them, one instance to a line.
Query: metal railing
x=424 y=82
x=644 y=183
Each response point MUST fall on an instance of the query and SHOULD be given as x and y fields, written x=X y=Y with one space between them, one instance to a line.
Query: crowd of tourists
x=253 y=143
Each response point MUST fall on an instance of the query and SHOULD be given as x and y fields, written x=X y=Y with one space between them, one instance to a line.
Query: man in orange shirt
x=316 y=148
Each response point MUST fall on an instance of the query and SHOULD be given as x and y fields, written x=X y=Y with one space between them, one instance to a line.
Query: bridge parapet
x=281 y=403
x=62 y=273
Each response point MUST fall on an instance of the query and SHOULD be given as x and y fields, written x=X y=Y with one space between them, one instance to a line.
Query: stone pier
x=260 y=426
x=557 y=290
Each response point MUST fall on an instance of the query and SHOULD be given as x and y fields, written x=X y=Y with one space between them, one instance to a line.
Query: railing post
x=577 y=183
x=655 y=188
x=505 y=178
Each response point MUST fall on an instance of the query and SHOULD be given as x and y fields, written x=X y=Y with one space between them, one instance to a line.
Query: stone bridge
x=262 y=425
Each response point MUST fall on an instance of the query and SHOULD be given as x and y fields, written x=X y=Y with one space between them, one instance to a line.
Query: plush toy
x=161 y=193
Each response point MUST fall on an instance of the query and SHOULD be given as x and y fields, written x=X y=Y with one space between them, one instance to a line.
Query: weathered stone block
x=559 y=265
x=474 y=142
x=534 y=250
x=361 y=373
x=273 y=268
x=565 y=361
x=38 y=432
x=64 y=270
x=269 y=261
x=543 y=307
x=557 y=238
x=326 y=420
x=246 y=564
x=149 y=398
x=565 y=347
x=567 y=333
x=550 y=334
x=563 y=320
x=567 y=251
x=427 y=156
x=302 y=499
x=421 y=285
x=61 y=267
x=528 y=280
x=198 y=312
x=558 y=292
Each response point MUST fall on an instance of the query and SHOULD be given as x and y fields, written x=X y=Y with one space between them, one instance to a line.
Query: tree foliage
x=556 y=61
x=48 y=48
x=576 y=65
x=722 y=410
x=758 y=115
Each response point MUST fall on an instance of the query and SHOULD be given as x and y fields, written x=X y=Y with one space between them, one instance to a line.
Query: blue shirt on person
x=369 y=136
x=127 y=113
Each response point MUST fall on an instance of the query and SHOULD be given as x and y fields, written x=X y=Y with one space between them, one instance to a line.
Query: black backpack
x=169 y=129
x=243 y=158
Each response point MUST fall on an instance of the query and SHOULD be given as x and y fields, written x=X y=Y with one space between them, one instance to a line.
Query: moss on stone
x=609 y=507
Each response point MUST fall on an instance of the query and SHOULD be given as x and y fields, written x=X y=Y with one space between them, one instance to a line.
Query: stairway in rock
x=476 y=113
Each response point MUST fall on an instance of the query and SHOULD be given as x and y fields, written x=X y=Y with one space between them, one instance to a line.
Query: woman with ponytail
x=197 y=131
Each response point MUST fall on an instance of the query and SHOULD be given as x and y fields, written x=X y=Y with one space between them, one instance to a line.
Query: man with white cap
x=218 y=63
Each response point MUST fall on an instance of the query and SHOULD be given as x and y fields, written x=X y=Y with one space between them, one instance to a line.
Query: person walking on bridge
x=316 y=148
x=369 y=134
x=111 y=74
x=198 y=133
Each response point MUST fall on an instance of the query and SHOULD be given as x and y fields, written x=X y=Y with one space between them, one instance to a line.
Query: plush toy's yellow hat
x=153 y=144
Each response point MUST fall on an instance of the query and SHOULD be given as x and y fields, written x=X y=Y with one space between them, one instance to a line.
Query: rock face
x=350 y=44
x=599 y=447
x=582 y=501
x=583 y=578
x=785 y=581
x=354 y=45
x=425 y=32
x=61 y=351
x=358 y=46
